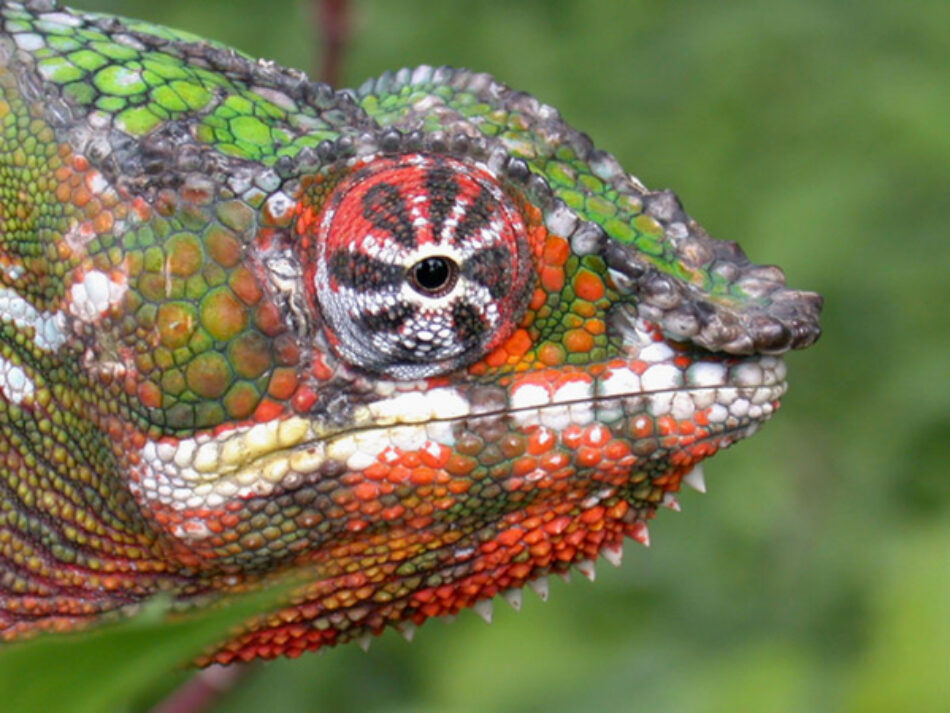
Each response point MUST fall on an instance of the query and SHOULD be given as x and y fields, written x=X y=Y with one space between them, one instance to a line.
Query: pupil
x=433 y=275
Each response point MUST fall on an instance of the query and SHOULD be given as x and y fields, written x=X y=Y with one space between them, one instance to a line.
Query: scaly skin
x=419 y=344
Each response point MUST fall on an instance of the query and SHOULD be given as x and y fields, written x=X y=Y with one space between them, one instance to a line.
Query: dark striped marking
x=364 y=273
x=443 y=192
x=468 y=324
x=389 y=320
x=476 y=216
x=491 y=268
x=384 y=208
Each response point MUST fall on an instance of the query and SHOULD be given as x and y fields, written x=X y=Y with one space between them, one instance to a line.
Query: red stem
x=203 y=689
x=332 y=18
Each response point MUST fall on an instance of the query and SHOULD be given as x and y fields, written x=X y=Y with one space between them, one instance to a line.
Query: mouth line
x=780 y=386
x=312 y=452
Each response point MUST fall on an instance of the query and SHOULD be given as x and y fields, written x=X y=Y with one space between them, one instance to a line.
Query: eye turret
x=422 y=265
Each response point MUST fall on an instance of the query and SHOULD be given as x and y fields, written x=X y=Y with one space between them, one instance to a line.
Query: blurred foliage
x=815 y=576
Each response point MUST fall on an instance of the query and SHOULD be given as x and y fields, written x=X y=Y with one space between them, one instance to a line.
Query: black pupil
x=433 y=275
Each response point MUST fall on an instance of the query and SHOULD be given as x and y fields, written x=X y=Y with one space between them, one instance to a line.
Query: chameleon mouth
x=207 y=470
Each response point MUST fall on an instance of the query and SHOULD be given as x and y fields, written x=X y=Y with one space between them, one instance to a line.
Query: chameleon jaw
x=664 y=409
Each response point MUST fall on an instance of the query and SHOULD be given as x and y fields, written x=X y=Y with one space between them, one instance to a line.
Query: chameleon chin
x=418 y=343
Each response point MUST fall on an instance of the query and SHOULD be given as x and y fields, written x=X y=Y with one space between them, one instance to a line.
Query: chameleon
x=418 y=343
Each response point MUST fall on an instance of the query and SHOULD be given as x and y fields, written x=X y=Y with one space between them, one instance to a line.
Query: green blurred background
x=815 y=575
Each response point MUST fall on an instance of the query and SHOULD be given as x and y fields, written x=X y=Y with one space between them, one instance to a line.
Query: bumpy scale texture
x=417 y=344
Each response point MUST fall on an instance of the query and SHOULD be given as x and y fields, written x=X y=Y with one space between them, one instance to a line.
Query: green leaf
x=105 y=669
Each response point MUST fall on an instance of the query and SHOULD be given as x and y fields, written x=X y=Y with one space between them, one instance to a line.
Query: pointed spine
x=541 y=587
x=639 y=532
x=408 y=630
x=588 y=569
x=513 y=597
x=484 y=609
x=696 y=479
x=613 y=554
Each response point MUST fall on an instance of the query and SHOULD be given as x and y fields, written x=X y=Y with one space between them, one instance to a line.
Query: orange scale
x=553 y=461
x=588 y=286
x=389 y=455
x=578 y=341
x=80 y=196
x=142 y=209
x=558 y=525
x=552 y=278
x=110 y=200
x=669 y=479
x=420 y=476
x=532 y=521
x=351 y=478
x=519 y=343
x=540 y=441
x=377 y=471
x=638 y=366
x=460 y=465
x=576 y=538
x=541 y=481
x=399 y=474
x=435 y=455
x=542 y=549
x=103 y=222
x=556 y=250
x=267 y=410
x=538 y=298
x=489 y=548
x=392 y=513
x=459 y=487
x=593 y=516
x=642 y=427
x=588 y=457
x=595 y=326
x=522 y=466
x=497 y=358
x=596 y=435
x=93 y=207
x=424 y=509
x=520 y=570
x=513 y=484
x=371 y=508
x=410 y=459
x=283 y=383
x=681 y=460
x=666 y=425
x=510 y=536
x=366 y=491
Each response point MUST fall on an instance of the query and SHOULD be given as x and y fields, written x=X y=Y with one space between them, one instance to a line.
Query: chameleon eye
x=433 y=276
x=422 y=265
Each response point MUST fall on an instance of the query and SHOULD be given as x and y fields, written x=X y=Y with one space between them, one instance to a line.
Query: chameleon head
x=421 y=343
